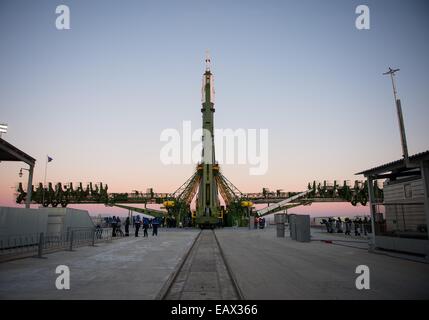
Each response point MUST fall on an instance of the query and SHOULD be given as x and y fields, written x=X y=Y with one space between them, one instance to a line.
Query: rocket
x=207 y=89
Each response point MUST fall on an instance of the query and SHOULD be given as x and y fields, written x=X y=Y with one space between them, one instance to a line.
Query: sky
x=97 y=97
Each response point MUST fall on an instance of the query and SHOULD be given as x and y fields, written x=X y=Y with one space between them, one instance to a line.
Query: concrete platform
x=267 y=267
x=264 y=266
x=360 y=242
x=128 y=268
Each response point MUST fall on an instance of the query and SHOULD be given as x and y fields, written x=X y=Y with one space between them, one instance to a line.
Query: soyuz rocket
x=208 y=197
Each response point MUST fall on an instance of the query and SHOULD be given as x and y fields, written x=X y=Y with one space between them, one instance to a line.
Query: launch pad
x=206 y=185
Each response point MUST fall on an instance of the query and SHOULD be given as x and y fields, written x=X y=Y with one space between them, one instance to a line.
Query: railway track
x=203 y=274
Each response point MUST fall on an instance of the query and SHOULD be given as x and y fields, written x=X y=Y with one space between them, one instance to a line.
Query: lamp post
x=248 y=214
x=20 y=174
x=29 y=184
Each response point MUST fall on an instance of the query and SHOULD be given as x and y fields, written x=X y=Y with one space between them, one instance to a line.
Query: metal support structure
x=226 y=189
x=281 y=204
x=248 y=216
x=71 y=241
x=402 y=131
x=40 y=247
x=392 y=73
x=44 y=181
x=372 y=210
x=94 y=233
x=29 y=187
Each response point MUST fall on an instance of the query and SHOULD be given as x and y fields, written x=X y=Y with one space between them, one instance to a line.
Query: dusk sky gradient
x=97 y=97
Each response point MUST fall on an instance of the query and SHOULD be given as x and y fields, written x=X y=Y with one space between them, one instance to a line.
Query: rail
x=169 y=290
x=23 y=245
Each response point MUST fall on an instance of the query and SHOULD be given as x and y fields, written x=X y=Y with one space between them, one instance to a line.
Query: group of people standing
x=337 y=226
x=115 y=224
x=259 y=222
x=145 y=223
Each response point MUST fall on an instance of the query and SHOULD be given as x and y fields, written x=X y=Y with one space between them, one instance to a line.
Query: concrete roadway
x=264 y=266
x=267 y=267
x=128 y=268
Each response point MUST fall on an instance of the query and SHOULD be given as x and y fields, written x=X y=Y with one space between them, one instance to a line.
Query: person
x=356 y=223
x=369 y=225
x=255 y=222
x=339 y=225
x=331 y=225
x=348 y=226
x=98 y=231
x=326 y=223
x=145 y=226
x=163 y=222
x=261 y=223
x=118 y=227
x=365 y=225
x=155 y=224
x=127 y=226
x=137 y=226
x=113 y=224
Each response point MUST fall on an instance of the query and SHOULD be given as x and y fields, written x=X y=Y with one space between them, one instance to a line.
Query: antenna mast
x=392 y=73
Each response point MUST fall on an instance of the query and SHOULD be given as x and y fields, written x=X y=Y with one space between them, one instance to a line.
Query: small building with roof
x=400 y=219
x=9 y=152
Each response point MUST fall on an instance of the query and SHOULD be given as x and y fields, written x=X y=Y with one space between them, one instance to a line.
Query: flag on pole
x=50 y=159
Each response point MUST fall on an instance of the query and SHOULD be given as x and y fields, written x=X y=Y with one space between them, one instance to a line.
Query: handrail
x=39 y=243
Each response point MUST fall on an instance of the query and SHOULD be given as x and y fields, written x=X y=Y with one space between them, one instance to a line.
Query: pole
x=392 y=72
x=94 y=231
x=402 y=130
x=71 y=240
x=44 y=181
x=372 y=208
x=29 y=187
x=40 y=248
x=248 y=214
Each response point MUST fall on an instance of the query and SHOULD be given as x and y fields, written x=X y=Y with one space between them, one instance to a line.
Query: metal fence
x=40 y=243
x=361 y=228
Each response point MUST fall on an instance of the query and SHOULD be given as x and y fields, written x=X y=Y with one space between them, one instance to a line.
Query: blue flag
x=50 y=159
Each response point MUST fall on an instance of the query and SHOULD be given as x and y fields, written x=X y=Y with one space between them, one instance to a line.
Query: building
x=9 y=152
x=401 y=218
